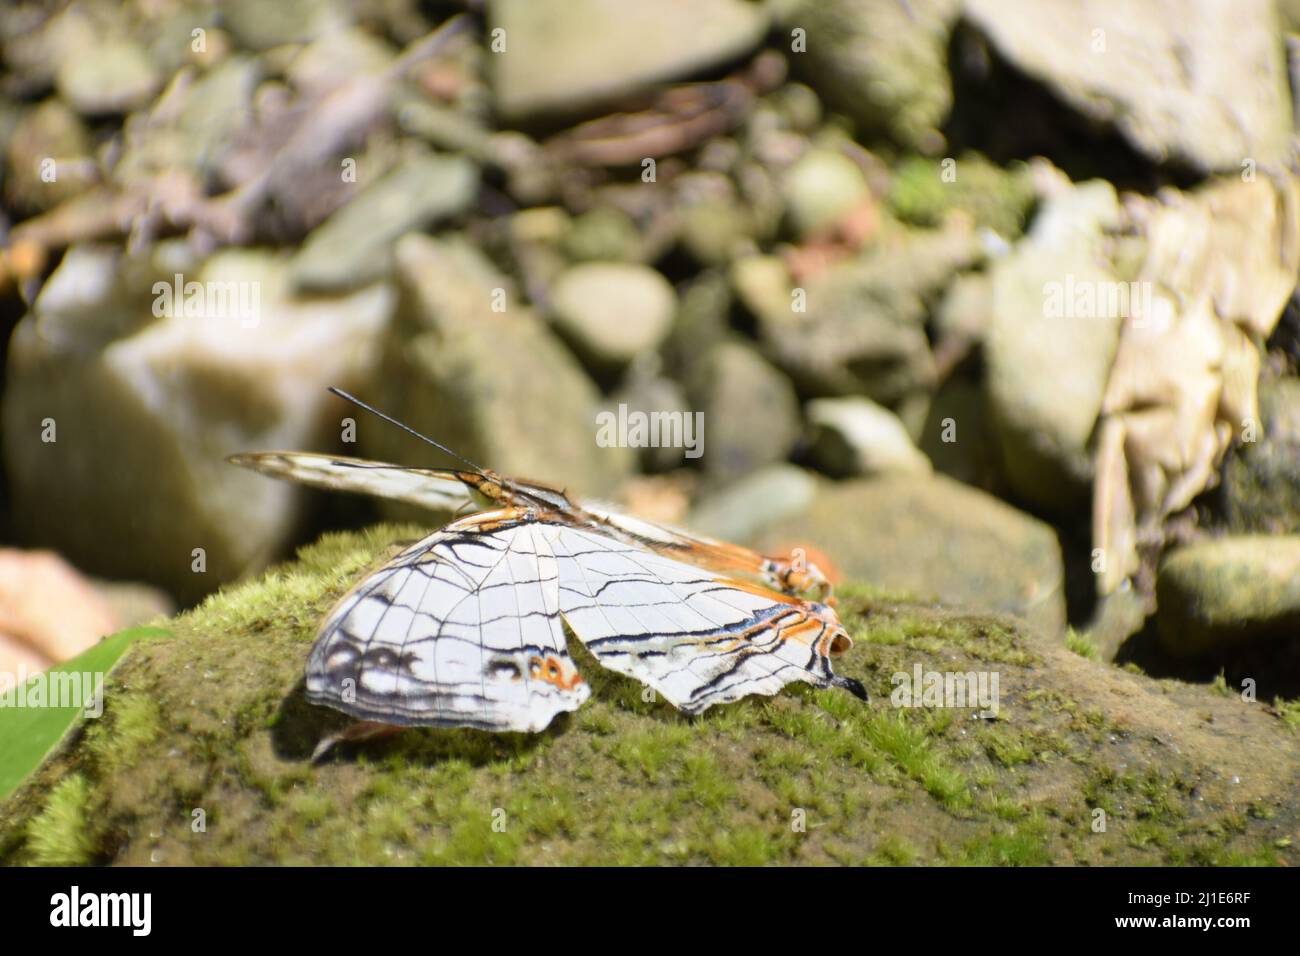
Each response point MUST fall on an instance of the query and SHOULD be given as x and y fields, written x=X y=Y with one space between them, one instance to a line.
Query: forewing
x=426 y=488
x=696 y=638
x=462 y=629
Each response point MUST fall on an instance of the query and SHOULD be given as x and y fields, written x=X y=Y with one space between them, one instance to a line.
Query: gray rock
x=862 y=329
x=568 y=55
x=744 y=508
x=1166 y=74
x=354 y=246
x=956 y=435
x=613 y=311
x=934 y=537
x=751 y=413
x=113 y=76
x=603 y=234
x=663 y=397
x=50 y=131
x=1213 y=596
x=145 y=409
x=884 y=64
x=259 y=26
x=1047 y=368
x=855 y=436
x=821 y=188
x=495 y=386
x=1261 y=482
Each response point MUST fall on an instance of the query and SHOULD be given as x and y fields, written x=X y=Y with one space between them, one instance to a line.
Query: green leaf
x=29 y=733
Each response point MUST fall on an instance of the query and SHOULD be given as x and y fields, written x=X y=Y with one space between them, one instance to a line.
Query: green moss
x=60 y=835
x=997 y=198
x=1082 y=645
x=213 y=717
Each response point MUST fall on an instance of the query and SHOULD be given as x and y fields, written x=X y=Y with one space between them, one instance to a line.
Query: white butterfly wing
x=425 y=488
x=462 y=629
x=696 y=638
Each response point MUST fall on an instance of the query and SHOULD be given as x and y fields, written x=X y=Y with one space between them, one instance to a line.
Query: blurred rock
x=1115 y=618
x=650 y=396
x=751 y=414
x=354 y=246
x=1166 y=74
x=603 y=234
x=569 y=55
x=261 y=26
x=495 y=386
x=1216 y=595
x=956 y=436
x=613 y=311
x=884 y=64
x=702 y=321
x=855 y=436
x=821 y=188
x=117 y=422
x=108 y=76
x=1048 y=357
x=49 y=613
x=741 y=510
x=335 y=57
x=962 y=319
x=1261 y=482
x=933 y=537
x=862 y=329
x=48 y=132
x=203 y=118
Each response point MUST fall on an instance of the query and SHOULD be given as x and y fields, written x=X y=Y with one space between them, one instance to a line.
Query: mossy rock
x=213 y=719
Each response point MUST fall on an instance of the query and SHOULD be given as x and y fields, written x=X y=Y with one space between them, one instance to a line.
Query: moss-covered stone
x=213 y=719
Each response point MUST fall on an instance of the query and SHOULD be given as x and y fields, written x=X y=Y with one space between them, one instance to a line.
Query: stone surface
x=855 y=436
x=742 y=509
x=1047 y=367
x=567 y=55
x=1216 y=595
x=1261 y=482
x=651 y=396
x=821 y=188
x=261 y=26
x=145 y=409
x=354 y=246
x=861 y=330
x=496 y=387
x=751 y=414
x=936 y=538
x=613 y=311
x=114 y=76
x=1167 y=74
x=884 y=64
x=49 y=131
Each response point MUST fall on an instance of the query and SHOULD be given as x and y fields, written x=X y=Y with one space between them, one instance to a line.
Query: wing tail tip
x=853 y=686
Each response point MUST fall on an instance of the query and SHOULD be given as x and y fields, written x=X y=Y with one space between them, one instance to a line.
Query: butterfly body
x=466 y=628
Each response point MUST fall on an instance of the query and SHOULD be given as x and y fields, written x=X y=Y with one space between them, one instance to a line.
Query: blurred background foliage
x=870 y=241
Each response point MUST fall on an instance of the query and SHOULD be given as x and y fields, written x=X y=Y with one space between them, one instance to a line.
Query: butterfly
x=466 y=627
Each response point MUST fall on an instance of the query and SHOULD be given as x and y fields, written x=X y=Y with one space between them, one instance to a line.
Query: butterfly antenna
x=406 y=428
